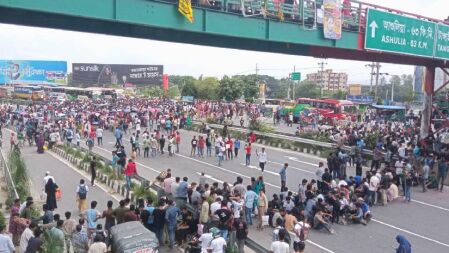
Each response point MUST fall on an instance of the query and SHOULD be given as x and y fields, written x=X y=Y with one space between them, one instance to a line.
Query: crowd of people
x=400 y=161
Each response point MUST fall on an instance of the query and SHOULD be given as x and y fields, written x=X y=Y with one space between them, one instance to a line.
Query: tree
x=308 y=89
x=174 y=92
x=207 y=88
x=250 y=85
x=153 y=92
x=230 y=88
x=189 y=89
x=180 y=81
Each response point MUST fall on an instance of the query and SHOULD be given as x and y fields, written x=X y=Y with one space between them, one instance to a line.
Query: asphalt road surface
x=423 y=221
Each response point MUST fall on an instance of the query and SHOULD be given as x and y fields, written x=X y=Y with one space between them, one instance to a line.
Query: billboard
x=118 y=74
x=360 y=99
x=32 y=72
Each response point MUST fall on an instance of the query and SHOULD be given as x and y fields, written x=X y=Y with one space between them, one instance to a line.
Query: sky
x=30 y=43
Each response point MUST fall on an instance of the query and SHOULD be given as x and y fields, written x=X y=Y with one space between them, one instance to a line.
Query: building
x=330 y=81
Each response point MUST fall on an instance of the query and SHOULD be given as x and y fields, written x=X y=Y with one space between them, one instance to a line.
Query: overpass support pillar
x=428 y=94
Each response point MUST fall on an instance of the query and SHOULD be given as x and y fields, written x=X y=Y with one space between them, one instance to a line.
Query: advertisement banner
x=117 y=74
x=360 y=99
x=32 y=72
x=332 y=19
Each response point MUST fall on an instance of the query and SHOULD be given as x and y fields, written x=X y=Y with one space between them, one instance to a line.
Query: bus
x=5 y=92
x=333 y=105
x=35 y=93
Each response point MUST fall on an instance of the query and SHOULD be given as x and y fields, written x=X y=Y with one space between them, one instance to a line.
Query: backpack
x=82 y=193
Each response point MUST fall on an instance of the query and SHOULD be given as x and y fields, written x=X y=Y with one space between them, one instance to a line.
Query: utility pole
x=321 y=64
x=294 y=86
x=377 y=79
x=372 y=66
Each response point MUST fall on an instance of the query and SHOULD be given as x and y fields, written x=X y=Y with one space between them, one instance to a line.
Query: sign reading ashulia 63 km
x=395 y=33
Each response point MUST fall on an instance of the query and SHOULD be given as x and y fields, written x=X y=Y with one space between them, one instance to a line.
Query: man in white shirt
x=205 y=240
x=27 y=234
x=280 y=246
x=214 y=207
x=99 y=133
x=6 y=242
x=263 y=158
x=217 y=244
x=98 y=246
x=373 y=186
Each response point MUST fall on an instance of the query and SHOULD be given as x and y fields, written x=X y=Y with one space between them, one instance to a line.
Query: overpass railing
x=308 y=13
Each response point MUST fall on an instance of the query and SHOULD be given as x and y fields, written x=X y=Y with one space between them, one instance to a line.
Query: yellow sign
x=185 y=8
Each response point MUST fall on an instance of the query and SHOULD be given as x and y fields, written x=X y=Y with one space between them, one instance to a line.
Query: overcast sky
x=28 y=43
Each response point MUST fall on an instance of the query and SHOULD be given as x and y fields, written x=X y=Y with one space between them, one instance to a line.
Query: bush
x=2 y=220
x=19 y=174
x=140 y=191
x=258 y=125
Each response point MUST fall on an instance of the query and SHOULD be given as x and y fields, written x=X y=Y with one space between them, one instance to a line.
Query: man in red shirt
x=248 y=153
x=201 y=145
x=229 y=148
x=130 y=171
x=178 y=141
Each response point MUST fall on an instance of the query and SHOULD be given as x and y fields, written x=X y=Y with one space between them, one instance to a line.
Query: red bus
x=328 y=108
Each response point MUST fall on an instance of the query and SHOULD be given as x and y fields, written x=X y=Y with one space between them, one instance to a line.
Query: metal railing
x=12 y=191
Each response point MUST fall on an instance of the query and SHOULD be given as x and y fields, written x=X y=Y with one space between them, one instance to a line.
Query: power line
x=321 y=64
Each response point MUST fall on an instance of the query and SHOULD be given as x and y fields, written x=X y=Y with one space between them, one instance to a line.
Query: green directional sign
x=399 y=34
x=442 y=43
x=295 y=76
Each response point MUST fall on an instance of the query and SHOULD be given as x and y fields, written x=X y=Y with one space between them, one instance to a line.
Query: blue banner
x=32 y=72
x=360 y=99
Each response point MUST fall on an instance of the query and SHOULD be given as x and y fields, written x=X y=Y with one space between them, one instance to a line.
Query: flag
x=185 y=8
x=165 y=82
x=280 y=12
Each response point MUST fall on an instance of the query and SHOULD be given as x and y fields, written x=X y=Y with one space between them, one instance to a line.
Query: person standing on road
x=50 y=191
x=69 y=228
x=81 y=195
x=248 y=154
x=283 y=175
x=236 y=147
x=93 y=171
x=280 y=246
x=250 y=201
x=162 y=144
x=241 y=233
x=130 y=171
x=201 y=145
x=193 y=143
x=442 y=173
x=263 y=158
x=178 y=141
x=91 y=216
x=208 y=146
x=171 y=215
x=118 y=136
x=99 y=133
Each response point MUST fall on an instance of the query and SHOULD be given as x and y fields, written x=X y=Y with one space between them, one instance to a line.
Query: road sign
x=295 y=76
x=399 y=34
x=442 y=43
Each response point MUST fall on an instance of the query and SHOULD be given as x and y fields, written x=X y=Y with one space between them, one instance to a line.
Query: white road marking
x=295 y=168
x=223 y=169
x=299 y=161
x=411 y=233
x=140 y=164
x=82 y=174
x=257 y=168
x=430 y=205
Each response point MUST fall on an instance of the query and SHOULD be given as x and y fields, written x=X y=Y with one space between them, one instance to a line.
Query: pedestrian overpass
x=367 y=32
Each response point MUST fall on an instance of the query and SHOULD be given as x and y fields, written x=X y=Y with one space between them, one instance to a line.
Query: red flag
x=165 y=82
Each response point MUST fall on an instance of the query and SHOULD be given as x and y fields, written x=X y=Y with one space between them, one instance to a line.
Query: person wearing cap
x=218 y=243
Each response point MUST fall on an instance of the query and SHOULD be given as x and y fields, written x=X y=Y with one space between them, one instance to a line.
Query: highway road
x=421 y=221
